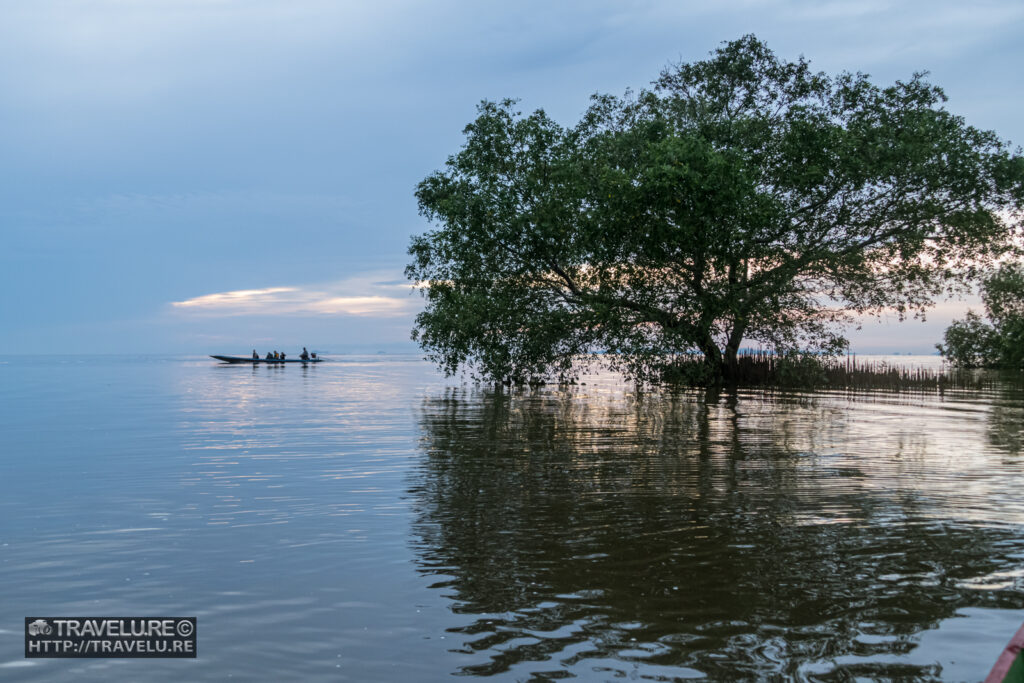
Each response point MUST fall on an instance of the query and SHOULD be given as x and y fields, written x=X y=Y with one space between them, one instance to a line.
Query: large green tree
x=743 y=199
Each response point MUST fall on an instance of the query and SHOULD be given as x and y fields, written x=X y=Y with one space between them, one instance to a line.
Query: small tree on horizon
x=743 y=199
x=999 y=343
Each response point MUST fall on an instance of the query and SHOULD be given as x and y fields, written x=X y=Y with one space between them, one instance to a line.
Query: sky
x=209 y=176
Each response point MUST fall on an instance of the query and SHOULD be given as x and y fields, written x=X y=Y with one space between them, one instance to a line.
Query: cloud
x=241 y=297
x=358 y=305
x=356 y=297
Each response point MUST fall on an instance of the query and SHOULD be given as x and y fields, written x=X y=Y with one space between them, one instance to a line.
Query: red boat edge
x=1009 y=668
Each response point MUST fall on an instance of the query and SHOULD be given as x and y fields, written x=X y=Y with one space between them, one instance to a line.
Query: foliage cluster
x=998 y=343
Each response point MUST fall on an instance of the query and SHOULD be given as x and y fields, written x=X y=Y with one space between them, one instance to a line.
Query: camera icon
x=39 y=627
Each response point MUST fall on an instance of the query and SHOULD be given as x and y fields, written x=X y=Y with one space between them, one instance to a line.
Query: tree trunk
x=730 y=364
x=712 y=356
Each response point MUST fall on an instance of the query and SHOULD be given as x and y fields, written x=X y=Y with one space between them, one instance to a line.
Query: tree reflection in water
x=686 y=535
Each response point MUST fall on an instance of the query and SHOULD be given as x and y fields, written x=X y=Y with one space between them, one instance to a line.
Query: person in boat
x=282 y=355
x=305 y=354
x=255 y=356
x=270 y=356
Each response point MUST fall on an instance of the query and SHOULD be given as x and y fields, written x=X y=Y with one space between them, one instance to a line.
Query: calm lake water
x=368 y=520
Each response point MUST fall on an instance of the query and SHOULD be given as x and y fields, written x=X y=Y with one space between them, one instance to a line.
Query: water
x=368 y=520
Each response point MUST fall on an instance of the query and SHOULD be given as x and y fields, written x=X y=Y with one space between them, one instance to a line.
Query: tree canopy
x=999 y=343
x=741 y=200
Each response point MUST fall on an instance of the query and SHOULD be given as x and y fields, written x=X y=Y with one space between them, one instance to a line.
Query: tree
x=970 y=343
x=973 y=343
x=743 y=199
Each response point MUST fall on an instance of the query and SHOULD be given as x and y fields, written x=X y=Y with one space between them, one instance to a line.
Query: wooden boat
x=1009 y=667
x=270 y=361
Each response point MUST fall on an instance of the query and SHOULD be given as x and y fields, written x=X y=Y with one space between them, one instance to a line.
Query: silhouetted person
x=255 y=356
x=270 y=356
x=282 y=355
x=305 y=354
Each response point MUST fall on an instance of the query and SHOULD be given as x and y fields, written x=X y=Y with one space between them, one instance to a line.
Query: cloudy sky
x=212 y=175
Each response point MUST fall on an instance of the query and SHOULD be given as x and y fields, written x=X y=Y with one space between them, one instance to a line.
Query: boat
x=269 y=361
x=1009 y=667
